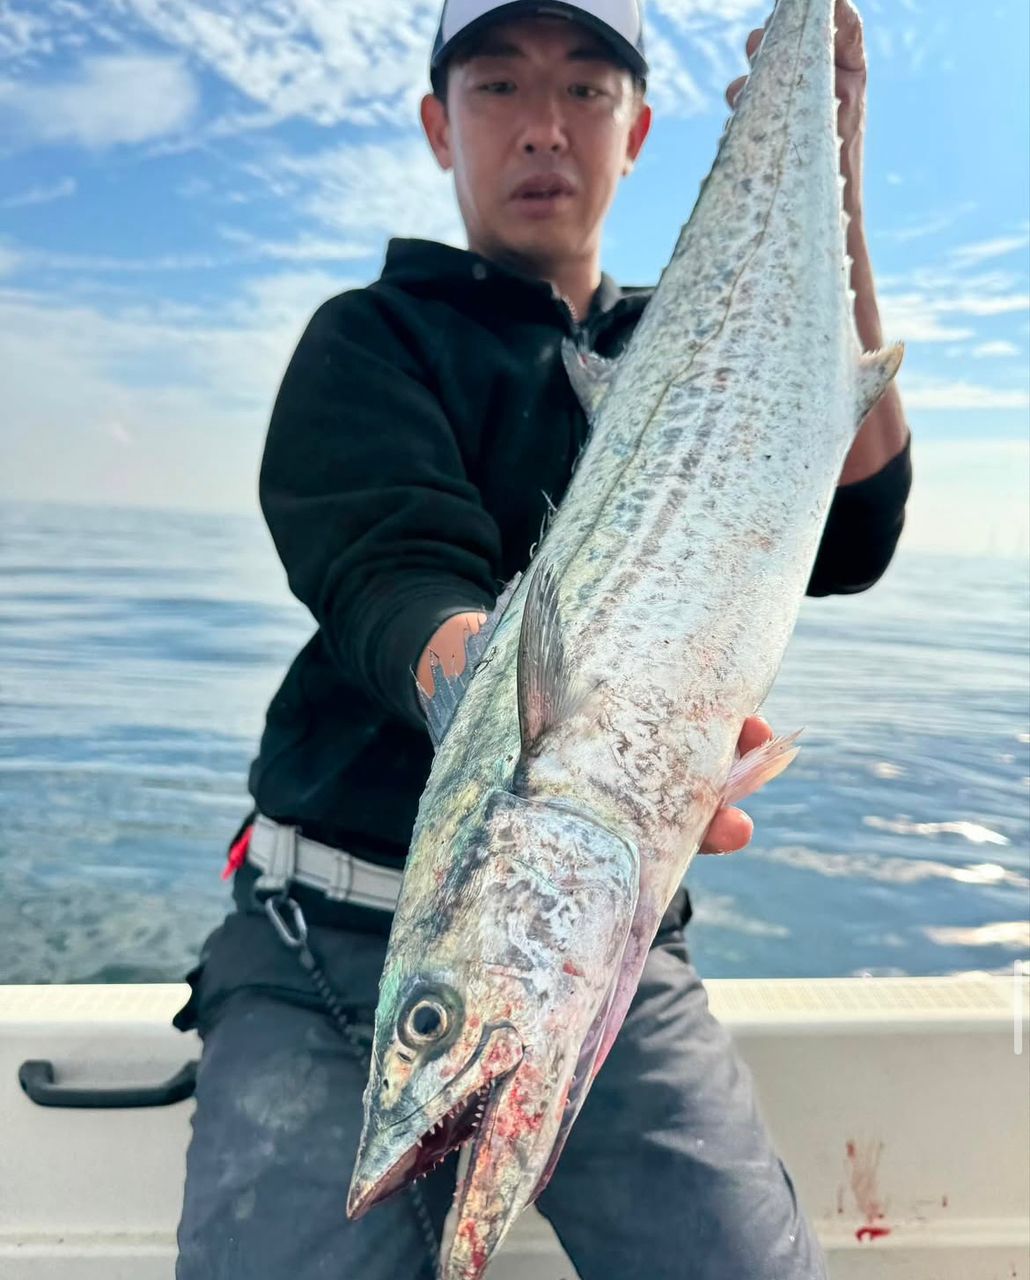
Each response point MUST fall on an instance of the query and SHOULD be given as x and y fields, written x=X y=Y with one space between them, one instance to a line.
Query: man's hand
x=849 y=56
x=731 y=829
x=447 y=646
x=728 y=831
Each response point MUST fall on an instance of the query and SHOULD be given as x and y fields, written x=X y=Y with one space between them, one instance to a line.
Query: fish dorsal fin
x=448 y=691
x=548 y=691
x=876 y=370
x=590 y=375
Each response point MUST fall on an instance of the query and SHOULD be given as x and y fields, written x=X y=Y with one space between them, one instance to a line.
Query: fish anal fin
x=757 y=767
x=876 y=370
x=448 y=690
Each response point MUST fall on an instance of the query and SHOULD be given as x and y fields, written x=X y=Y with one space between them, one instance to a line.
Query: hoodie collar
x=415 y=264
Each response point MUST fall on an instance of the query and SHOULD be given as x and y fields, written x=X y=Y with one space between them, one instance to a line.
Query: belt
x=284 y=856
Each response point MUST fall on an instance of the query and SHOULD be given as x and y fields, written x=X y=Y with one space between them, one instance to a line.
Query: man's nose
x=544 y=126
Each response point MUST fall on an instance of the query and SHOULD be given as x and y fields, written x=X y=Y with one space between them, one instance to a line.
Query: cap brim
x=624 y=52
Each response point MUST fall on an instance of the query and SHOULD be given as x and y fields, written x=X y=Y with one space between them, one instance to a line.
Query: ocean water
x=138 y=651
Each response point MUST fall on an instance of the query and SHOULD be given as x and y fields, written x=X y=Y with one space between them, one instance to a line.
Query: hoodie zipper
x=578 y=331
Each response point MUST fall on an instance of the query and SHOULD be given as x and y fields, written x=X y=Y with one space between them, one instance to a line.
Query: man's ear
x=639 y=130
x=437 y=128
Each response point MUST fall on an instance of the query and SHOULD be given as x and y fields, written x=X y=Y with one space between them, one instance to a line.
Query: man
x=422 y=427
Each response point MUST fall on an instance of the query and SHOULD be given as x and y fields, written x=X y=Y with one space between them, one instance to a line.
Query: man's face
x=540 y=124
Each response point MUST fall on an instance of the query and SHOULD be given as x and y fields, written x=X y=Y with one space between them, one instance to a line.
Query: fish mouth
x=395 y=1155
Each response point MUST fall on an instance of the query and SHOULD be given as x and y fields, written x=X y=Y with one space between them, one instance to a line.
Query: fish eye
x=431 y=1018
x=426 y=1022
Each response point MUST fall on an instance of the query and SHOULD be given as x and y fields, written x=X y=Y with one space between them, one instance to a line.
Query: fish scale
x=596 y=738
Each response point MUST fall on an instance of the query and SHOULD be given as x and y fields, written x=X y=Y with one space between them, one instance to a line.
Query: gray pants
x=668 y=1174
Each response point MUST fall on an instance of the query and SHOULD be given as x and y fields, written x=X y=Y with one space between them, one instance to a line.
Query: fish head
x=491 y=1009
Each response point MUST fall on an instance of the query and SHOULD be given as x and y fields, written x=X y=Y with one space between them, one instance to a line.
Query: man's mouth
x=543 y=189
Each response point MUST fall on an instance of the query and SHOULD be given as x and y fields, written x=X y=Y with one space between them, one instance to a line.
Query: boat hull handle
x=37 y=1078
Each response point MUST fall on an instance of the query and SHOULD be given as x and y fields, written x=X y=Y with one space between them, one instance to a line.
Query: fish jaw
x=394 y=1154
x=510 y=1149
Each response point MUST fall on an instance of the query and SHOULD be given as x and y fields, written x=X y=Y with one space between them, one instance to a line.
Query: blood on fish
x=469 y=1232
x=569 y=968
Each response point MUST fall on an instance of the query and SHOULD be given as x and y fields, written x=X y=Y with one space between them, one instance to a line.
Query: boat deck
x=908 y=1093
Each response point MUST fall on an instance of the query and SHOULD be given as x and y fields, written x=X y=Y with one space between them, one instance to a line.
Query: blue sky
x=183 y=182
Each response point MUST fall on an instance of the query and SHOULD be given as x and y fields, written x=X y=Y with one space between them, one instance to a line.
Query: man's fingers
x=848 y=50
x=753 y=733
x=729 y=831
x=751 y=48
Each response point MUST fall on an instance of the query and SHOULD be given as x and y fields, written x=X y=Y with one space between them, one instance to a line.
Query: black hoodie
x=422 y=427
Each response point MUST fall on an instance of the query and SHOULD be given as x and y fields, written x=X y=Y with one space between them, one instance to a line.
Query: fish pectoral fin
x=876 y=370
x=590 y=375
x=757 y=767
x=548 y=690
x=448 y=691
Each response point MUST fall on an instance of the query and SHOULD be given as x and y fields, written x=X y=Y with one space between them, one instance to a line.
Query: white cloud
x=932 y=393
x=105 y=263
x=250 y=249
x=969 y=255
x=114 y=98
x=913 y=317
x=40 y=194
x=10 y=260
x=147 y=404
x=377 y=190
x=671 y=89
x=923 y=305
x=990 y=350
x=980 y=305
x=686 y=38
x=930 y=225
x=364 y=62
x=20 y=32
x=301 y=249
x=690 y=14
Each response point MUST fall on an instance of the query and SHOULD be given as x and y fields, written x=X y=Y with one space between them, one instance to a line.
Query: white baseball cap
x=618 y=22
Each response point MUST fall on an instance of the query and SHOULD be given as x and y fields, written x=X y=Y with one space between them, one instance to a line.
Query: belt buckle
x=281 y=870
x=341 y=879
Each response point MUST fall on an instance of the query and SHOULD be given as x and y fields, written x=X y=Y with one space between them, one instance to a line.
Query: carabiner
x=294 y=932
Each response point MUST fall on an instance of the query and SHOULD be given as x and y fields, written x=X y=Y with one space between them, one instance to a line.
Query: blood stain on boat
x=863 y=1165
x=871 y=1233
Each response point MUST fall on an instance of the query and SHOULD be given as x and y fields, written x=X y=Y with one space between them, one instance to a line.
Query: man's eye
x=497 y=86
x=585 y=91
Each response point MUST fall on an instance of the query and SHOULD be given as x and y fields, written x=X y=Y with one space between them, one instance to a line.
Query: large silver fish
x=596 y=740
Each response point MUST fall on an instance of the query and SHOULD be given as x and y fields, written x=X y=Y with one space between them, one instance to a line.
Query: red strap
x=237 y=854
